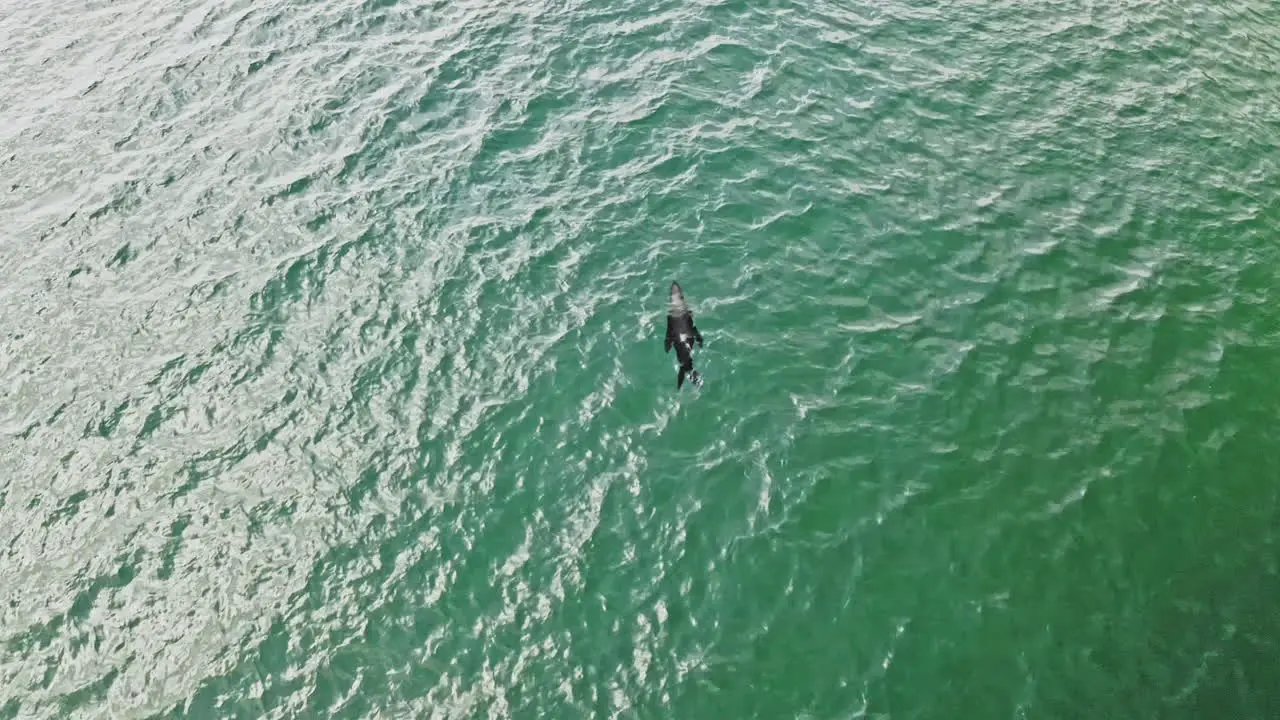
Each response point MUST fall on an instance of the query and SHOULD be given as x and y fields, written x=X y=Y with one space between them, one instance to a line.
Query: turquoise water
x=332 y=380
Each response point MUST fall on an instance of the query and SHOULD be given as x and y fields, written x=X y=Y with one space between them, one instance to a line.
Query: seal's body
x=682 y=334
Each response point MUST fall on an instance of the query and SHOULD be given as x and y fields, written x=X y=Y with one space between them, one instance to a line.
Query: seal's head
x=678 y=305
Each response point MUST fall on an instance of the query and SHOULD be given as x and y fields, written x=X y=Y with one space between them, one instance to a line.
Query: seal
x=682 y=334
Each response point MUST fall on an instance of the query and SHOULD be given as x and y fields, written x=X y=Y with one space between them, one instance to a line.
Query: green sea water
x=332 y=379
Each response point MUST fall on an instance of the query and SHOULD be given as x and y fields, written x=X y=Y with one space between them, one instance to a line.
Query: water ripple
x=354 y=402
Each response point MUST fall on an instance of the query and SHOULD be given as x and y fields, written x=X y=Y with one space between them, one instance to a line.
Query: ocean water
x=332 y=380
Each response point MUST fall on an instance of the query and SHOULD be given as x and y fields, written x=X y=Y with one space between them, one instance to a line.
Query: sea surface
x=332 y=379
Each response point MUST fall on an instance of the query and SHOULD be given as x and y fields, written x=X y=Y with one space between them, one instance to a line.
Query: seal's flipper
x=680 y=379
